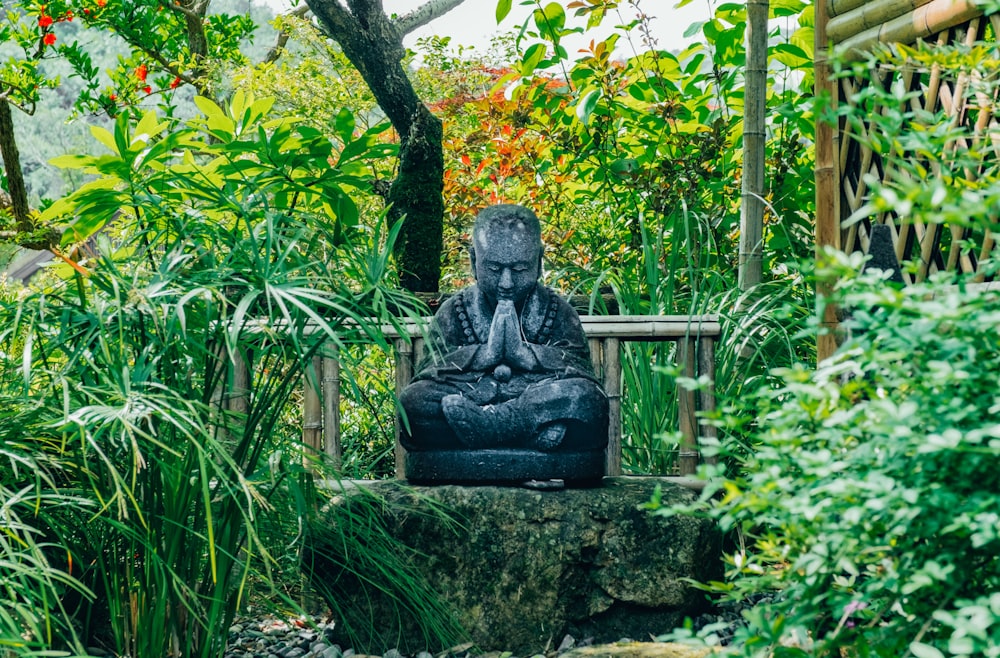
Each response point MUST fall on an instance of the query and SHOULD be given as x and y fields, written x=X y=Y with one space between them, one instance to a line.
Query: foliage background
x=861 y=492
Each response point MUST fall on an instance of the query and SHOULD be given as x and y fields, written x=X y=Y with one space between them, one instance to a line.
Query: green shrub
x=149 y=391
x=870 y=510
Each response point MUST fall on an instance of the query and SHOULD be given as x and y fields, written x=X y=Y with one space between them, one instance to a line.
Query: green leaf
x=790 y=55
x=147 y=128
x=586 y=106
x=921 y=650
x=72 y=161
x=344 y=125
x=625 y=167
x=532 y=57
x=215 y=117
x=503 y=8
x=550 y=20
x=105 y=137
x=789 y=652
x=780 y=8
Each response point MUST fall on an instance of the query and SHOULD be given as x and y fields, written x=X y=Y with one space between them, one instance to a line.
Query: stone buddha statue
x=506 y=390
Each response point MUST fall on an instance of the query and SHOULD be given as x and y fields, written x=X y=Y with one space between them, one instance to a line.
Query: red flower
x=69 y=15
x=113 y=97
x=49 y=39
x=102 y=3
x=147 y=89
x=140 y=72
x=175 y=83
x=44 y=20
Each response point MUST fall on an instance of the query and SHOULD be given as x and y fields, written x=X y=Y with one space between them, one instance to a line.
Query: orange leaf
x=76 y=266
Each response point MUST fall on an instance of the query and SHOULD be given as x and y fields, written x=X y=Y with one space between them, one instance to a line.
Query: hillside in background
x=55 y=129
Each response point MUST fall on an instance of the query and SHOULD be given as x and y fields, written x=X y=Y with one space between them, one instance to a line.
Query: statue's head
x=506 y=252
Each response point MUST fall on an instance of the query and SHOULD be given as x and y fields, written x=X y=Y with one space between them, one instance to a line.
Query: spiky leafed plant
x=157 y=376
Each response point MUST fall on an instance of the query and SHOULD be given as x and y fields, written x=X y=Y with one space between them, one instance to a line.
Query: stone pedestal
x=527 y=567
x=508 y=466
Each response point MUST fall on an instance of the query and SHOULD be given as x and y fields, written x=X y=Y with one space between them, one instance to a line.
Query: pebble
x=274 y=638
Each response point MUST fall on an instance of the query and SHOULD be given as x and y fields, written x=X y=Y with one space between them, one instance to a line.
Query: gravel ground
x=271 y=636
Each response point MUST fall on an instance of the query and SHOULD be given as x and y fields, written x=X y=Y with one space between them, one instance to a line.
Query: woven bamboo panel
x=929 y=247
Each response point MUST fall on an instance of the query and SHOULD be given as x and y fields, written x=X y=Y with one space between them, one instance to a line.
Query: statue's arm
x=567 y=347
x=445 y=352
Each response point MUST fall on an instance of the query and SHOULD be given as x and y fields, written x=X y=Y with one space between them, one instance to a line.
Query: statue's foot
x=550 y=438
x=470 y=422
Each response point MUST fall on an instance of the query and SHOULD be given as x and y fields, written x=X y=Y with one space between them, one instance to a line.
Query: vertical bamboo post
x=312 y=411
x=706 y=367
x=404 y=373
x=596 y=346
x=240 y=389
x=755 y=97
x=613 y=388
x=687 y=458
x=218 y=402
x=331 y=409
x=597 y=356
x=238 y=396
x=827 y=180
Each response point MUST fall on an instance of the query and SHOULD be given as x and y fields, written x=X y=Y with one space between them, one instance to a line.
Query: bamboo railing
x=695 y=336
x=845 y=162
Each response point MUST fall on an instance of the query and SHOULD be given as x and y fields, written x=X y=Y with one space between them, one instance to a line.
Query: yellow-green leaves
x=503 y=8
x=550 y=20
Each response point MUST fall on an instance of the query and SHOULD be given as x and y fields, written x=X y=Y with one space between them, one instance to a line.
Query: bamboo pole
x=920 y=23
x=613 y=389
x=838 y=7
x=687 y=422
x=984 y=253
x=706 y=367
x=404 y=373
x=752 y=209
x=869 y=15
x=827 y=180
x=633 y=327
x=331 y=409
x=312 y=412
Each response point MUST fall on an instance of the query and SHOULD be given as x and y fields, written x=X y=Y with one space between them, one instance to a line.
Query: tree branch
x=424 y=14
x=279 y=43
x=334 y=15
x=12 y=167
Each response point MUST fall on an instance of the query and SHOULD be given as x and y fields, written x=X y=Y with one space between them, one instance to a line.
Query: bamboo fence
x=844 y=160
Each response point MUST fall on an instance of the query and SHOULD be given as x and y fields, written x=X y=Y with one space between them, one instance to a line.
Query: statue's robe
x=561 y=387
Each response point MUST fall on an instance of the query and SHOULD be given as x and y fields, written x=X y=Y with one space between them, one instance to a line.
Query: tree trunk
x=752 y=215
x=375 y=46
x=12 y=167
x=194 y=12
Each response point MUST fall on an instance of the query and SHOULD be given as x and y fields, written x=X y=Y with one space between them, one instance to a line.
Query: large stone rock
x=527 y=567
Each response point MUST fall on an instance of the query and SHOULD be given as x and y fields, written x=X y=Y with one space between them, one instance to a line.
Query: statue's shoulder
x=557 y=303
x=457 y=305
x=560 y=300
x=549 y=318
x=458 y=317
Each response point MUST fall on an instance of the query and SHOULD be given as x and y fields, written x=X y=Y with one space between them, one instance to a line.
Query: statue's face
x=507 y=263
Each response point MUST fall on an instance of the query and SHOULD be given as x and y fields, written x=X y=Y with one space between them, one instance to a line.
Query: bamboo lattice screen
x=843 y=159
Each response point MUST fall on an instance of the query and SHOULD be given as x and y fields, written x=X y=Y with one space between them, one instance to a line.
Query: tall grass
x=679 y=268
x=154 y=381
x=352 y=554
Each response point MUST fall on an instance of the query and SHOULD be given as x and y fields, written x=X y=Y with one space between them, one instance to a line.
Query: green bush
x=143 y=402
x=870 y=511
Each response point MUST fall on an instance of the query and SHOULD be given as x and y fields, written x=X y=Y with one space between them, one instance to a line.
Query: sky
x=473 y=22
